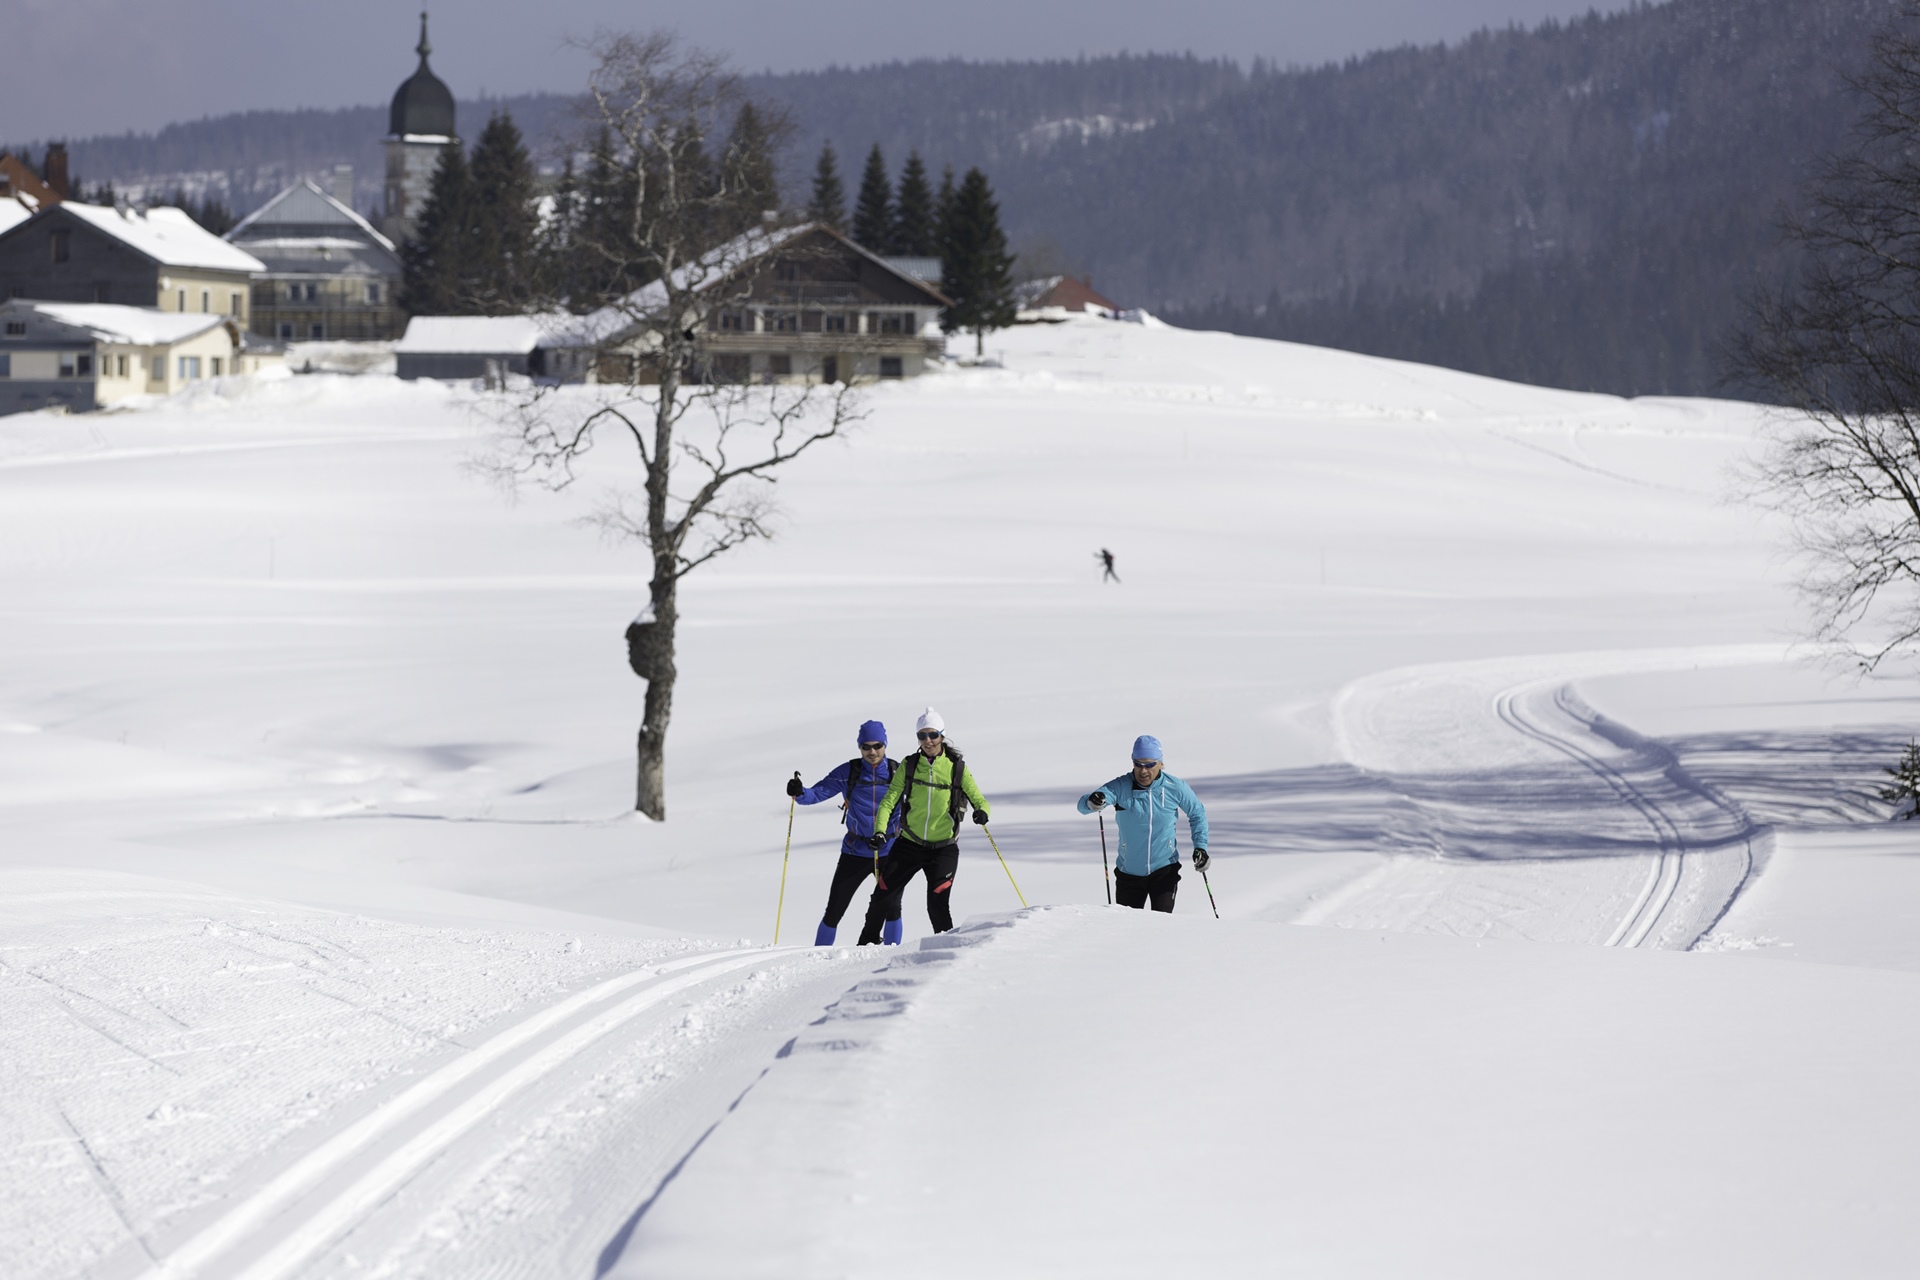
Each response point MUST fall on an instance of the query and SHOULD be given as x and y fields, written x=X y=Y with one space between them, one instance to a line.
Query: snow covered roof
x=303 y=210
x=717 y=266
x=167 y=236
x=112 y=322
x=483 y=335
x=13 y=212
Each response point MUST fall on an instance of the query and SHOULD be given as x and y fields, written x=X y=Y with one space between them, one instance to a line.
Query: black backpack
x=956 y=798
x=853 y=777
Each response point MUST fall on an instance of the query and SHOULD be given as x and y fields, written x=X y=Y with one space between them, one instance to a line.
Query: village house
x=328 y=274
x=72 y=252
x=795 y=304
x=83 y=355
x=1059 y=294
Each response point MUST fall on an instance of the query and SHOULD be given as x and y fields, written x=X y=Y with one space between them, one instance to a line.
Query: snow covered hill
x=330 y=947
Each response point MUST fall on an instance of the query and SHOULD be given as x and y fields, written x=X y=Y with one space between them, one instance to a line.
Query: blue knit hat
x=1147 y=747
x=871 y=731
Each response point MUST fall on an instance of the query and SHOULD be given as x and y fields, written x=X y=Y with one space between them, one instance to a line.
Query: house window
x=890 y=322
x=180 y=301
x=313 y=292
x=213 y=363
x=66 y=364
x=6 y=364
x=233 y=304
x=783 y=322
x=830 y=369
x=786 y=271
x=836 y=322
x=158 y=373
x=373 y=294
x=732 y=322
x=315 y=332
x=293 y=293
x=84 y=364
x=121 y=366
x=206 y=301
x=189 y=367
x=889 y=366
x=58 y=242
x=16 y=328
x=780 y=366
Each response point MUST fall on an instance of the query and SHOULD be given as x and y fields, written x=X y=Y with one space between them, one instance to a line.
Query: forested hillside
x=1579 y=204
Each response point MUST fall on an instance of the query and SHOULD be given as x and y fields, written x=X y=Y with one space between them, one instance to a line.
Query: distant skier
x=931 y=789
x=863 y=780
x=1105 y=557
x=1146 y=806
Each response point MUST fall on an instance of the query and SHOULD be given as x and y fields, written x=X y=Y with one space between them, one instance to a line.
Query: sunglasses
x=1146 y=764
x=929 y=735
x=873 y=746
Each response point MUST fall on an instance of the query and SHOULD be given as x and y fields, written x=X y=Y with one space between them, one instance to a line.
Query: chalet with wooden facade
x=794 y=304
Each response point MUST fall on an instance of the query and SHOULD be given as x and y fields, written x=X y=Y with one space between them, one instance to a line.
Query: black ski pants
x=847 y=875
x=1161 y=885
x=908 y=859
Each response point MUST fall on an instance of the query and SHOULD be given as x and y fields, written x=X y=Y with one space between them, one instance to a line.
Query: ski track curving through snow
x=1521 y=812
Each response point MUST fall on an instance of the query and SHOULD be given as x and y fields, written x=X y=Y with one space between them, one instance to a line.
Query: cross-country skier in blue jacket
x=863 y=781
x=1147 y=804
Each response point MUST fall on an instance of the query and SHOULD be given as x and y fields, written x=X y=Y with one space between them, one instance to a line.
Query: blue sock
x=890 y=932
x=823 y=936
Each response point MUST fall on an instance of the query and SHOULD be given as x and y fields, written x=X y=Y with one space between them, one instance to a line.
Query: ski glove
x=980 y=816
x=875 y=841
x=794 y=788
x=1098 y=799
x=1200 y=859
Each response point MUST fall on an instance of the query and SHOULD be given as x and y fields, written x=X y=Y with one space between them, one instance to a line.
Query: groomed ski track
x=377 y=1188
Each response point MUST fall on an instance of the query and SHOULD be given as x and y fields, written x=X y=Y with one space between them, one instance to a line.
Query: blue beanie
x=871 y=731
x=1147 y=747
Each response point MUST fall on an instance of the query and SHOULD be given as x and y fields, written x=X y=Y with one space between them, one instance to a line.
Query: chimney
x=343 y=184
x=57 y=168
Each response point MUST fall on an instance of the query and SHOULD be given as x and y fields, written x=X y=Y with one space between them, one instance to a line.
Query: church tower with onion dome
x=420 y=126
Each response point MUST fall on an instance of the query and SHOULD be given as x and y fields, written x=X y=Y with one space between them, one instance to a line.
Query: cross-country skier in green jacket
x=936 y=786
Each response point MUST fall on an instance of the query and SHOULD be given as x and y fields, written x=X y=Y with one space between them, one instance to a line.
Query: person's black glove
x=980 y=816
x=876 y=841
x=1098 y=799
x=1200 y=859
x=794 y=788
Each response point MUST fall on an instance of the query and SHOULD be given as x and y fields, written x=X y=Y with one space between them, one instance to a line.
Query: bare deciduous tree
x=1840 y=349
x=665 y=236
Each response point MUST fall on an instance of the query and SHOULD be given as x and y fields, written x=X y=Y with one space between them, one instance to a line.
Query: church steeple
x=423 y=48
x=419 y=127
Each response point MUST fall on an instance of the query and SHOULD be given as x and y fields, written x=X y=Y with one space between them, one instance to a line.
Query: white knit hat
x=930 y=719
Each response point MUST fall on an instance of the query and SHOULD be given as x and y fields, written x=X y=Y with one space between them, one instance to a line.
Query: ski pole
x=1105 y=875
x=782 y=908
x=1210 y=901
x=1003 y=864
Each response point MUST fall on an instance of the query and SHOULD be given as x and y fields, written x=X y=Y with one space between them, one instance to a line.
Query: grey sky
x=80 y=67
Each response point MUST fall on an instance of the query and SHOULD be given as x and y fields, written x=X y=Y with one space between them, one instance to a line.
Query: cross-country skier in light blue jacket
x=1147 y=804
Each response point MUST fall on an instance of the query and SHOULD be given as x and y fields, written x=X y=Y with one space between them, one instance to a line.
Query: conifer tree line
x=484 y=246
x=960 y=226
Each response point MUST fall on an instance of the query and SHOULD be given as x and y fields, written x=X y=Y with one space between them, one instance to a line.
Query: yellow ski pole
x=782 y=908
x=1003 y=864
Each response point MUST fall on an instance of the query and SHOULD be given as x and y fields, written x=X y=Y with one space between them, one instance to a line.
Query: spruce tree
x=500 y=274
x=829 y=202
x=873 y=212
x=914 y=232
x=976 y=269
x=435 y=261
x=747 y=168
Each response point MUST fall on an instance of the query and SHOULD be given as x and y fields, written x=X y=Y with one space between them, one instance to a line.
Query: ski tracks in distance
x=1536 y=817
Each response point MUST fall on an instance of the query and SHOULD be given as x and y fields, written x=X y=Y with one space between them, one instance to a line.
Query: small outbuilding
x=466 y=346
x=1064 y=293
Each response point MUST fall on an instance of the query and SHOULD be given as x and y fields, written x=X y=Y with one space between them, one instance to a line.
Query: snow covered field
x=1560 y=932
